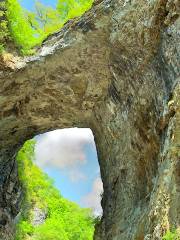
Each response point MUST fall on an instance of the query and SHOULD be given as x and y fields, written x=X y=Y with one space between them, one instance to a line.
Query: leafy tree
x=63 y=8
x=29 y=29
x=4 y=33
x=73 y=8
x=64 y=220
x=45 y=20
x=24 y=36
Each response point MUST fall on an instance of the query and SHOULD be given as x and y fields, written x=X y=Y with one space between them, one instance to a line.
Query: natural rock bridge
x=113 y=70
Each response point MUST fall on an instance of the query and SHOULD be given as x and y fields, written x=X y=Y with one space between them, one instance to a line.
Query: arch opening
x=39 y=19
x=60 y=175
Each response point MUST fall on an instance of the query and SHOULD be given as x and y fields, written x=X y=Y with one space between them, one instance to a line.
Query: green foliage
x=1 y=48
x=73 y=8
x=65 y=220
x=29 y=29
x=45 y=20
x=21 y=31
x=4 y=33
x=169 y=236
x=174 y=235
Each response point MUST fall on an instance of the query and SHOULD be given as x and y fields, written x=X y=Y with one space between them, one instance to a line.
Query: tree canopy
x=4 y=33
x=29 y=28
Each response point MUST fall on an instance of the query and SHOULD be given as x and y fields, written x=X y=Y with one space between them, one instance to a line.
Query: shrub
x=174 y=235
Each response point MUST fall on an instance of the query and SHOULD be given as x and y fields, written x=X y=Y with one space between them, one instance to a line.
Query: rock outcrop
x=116 y=71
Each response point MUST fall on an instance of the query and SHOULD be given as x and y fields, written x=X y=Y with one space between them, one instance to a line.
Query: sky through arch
x=69 y=157
x=29 y=4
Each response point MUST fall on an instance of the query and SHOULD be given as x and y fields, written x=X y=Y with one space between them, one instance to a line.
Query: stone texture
x=39 y=216
x=113 y=70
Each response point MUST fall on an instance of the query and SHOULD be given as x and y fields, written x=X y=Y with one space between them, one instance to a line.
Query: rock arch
x=112 y=70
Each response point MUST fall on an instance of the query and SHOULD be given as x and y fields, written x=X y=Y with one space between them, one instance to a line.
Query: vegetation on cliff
x=4 y=32
x=172 y=235
x=45 y=214
x=28 y=29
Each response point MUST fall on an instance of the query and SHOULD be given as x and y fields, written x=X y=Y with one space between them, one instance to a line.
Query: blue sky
x=69 y=157
x=76 y=190
x=29 y=4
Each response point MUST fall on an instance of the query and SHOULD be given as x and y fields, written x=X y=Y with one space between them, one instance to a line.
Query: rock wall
x=114 y=70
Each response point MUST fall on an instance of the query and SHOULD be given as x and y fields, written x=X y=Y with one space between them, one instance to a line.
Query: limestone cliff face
x=114 y=70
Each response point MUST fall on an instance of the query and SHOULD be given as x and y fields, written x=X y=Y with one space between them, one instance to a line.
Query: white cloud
x=76 y=175
x=64 y=149
x=93 y=199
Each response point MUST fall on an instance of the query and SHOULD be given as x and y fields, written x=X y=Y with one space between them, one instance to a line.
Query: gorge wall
x=116 y=71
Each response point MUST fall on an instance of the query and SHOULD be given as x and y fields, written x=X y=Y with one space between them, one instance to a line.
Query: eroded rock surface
x=113 y=70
